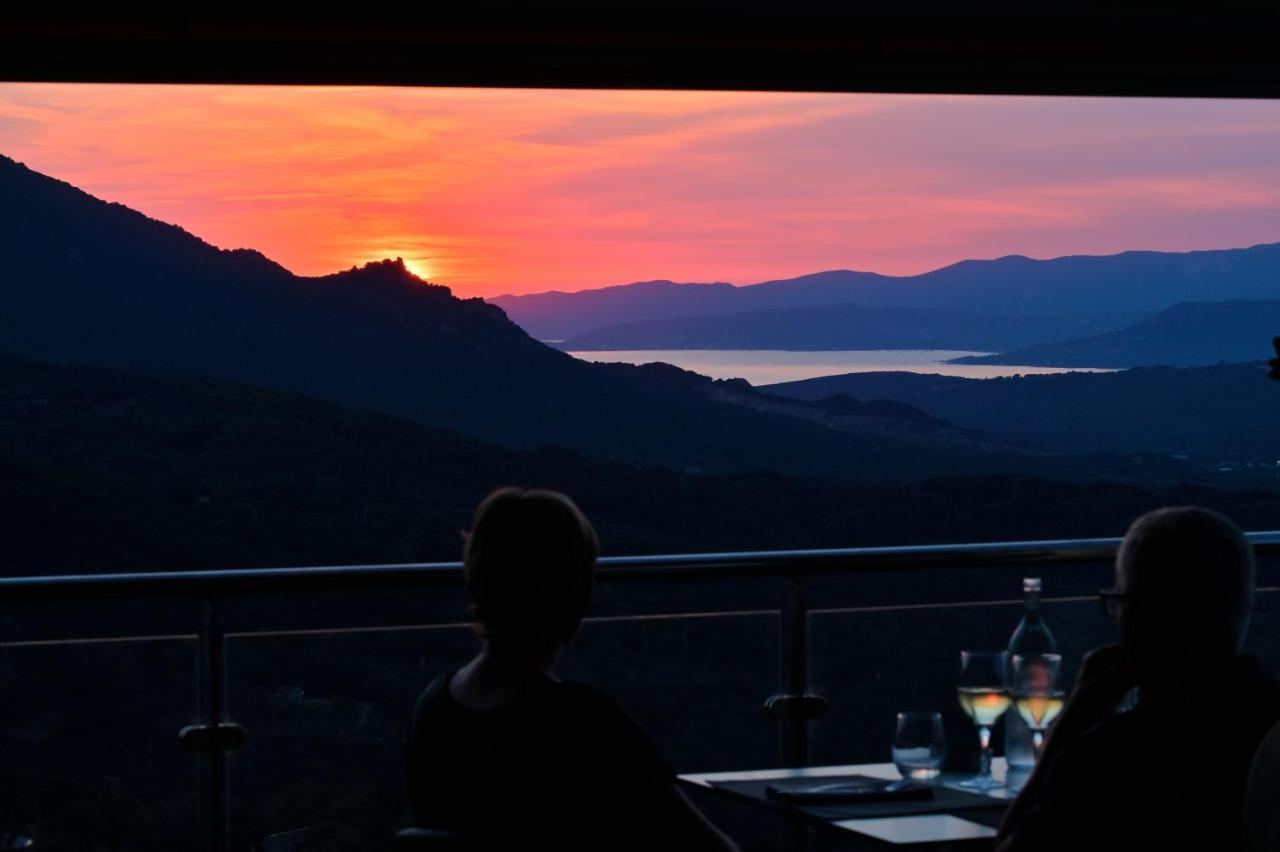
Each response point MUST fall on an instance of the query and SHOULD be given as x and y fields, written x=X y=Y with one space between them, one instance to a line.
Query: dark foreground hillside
x=1226 y=415
x=114 y=470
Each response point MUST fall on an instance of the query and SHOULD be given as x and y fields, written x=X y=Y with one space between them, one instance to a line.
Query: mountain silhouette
x=1133 y=282
x=828 y=327
x=87 y=282
x=1186 y=335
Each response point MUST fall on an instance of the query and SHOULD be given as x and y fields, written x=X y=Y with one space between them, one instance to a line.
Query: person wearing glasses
x=502 y=750
x=1169 y=772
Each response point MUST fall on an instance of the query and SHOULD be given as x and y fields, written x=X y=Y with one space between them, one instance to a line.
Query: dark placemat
x=945 y=800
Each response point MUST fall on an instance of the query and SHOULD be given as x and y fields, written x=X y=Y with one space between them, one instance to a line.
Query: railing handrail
x=763 y=563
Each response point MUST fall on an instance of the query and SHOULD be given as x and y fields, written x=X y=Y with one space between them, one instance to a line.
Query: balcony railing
x=266 y=709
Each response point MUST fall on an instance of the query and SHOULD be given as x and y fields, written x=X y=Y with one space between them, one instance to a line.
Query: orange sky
x=493 y=191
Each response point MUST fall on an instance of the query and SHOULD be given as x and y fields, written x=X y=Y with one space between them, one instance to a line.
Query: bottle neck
x=1031 y=603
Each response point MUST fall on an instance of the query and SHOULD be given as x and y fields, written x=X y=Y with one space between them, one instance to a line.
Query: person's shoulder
x=438 y=688
x=584 y=700
x=1099 y=743
x=611 y=727
x=435 y=697
x=588 y=703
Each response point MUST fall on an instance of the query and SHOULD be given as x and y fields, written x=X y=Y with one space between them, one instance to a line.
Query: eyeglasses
x=1111 y=599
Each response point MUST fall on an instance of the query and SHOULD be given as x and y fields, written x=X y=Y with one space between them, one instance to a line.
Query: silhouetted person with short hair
x=1170 y=772
x=500 y=747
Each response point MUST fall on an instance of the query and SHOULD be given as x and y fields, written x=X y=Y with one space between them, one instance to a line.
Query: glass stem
x=984 y=739
x=1037 y=742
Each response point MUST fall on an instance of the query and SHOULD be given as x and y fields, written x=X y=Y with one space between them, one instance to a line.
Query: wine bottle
x=1031 y=637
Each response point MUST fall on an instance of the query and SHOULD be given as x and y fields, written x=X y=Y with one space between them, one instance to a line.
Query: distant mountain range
x=1184 y=335
x=1131 y=283
x=845 y=327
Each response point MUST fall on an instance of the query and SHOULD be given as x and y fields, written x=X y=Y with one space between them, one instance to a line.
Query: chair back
x=431 y=840
x=1262 y=797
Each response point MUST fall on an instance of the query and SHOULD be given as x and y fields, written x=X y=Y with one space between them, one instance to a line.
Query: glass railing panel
x=696 y=682
x=692 y=661
x=89 y=731
x=908 y=586
x=327 y=712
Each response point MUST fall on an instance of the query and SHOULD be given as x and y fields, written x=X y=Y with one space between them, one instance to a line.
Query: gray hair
x=1189 y=574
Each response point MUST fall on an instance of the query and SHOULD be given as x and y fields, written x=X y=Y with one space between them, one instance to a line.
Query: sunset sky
x=496 y=191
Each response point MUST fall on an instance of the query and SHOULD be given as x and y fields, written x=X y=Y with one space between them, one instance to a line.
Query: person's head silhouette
x=530 y=564
x=1184 y=578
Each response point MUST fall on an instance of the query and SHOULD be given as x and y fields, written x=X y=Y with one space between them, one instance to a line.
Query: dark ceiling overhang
x=905 y=47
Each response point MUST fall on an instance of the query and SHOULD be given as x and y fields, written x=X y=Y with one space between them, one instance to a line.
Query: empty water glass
x=919 y=745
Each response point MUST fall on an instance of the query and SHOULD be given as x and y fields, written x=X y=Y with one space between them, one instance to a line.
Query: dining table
x=951 y=818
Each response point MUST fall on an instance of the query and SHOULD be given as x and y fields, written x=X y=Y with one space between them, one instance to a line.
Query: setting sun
x=418 y=267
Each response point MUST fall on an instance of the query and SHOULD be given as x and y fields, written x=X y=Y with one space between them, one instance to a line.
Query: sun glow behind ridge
x=418 y=268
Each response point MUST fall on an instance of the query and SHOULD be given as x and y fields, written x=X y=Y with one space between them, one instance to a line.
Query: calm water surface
x=767 y=366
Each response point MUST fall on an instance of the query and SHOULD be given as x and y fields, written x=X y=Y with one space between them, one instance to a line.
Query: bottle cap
x=1031 y=584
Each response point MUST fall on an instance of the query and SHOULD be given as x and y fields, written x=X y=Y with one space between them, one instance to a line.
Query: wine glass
x=919 y=745
x=984 y=696
x=1035 y=693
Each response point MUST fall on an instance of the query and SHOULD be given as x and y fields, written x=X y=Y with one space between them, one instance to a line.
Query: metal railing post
x=795 y=707
x=795 y=673
x=217 y=757
x=212 y=736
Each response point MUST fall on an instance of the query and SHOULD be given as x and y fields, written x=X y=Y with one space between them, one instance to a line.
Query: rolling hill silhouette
x=1214 y=414
x=1111 y=289
x=1186 y=335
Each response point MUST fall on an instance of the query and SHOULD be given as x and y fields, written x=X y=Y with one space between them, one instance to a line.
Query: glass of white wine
x=1035 y=694
x=984 y=696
